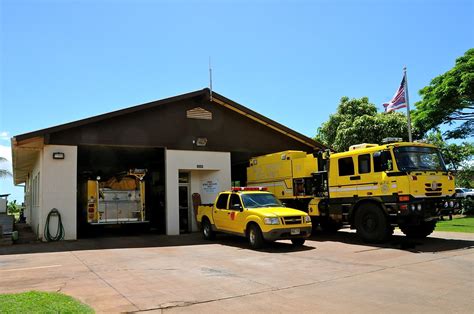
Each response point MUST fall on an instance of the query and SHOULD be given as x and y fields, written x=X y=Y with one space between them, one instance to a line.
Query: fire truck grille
x=292 y=220
x=433 y=189
x=433 y=193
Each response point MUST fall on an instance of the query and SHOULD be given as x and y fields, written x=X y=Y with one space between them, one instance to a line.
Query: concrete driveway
x=183 y=274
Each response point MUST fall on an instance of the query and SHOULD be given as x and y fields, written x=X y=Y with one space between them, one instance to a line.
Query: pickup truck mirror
x=236 y=207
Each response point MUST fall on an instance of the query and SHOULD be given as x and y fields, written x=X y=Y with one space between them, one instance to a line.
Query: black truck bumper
x=416 y=210
x=286 y=234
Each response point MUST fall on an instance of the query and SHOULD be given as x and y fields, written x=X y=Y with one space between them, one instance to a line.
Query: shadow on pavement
x=142 y=241
x=106 y=242
x=272 y=247
x=431 y=244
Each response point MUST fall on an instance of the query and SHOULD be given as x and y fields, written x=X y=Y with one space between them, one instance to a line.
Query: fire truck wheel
x=329 y=225
x=314 y=224
x=298 y=242
x=255 y=237
x=207 y=232
x=418 y=231
x=371 y=224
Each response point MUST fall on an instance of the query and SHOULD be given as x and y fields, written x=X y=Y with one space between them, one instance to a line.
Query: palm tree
x=4 y=172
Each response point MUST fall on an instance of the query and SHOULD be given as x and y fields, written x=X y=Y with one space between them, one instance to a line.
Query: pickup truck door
x=236 y=219
x=220 y=212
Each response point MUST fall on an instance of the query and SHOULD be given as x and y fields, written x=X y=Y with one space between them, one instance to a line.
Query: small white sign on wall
x=210 y=186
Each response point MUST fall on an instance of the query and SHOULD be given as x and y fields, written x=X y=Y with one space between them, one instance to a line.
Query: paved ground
x=184 y=274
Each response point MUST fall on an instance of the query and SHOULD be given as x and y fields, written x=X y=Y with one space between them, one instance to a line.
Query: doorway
x=185 y=224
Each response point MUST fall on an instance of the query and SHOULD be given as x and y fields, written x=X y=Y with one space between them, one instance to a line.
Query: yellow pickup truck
x=255 y=214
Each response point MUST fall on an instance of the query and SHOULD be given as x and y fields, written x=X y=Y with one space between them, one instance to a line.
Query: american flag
x=398 y=101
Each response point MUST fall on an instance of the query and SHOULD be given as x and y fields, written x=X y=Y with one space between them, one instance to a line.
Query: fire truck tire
x=207 y=232
x=419 y=231
x=329 y=225
x=255 y=237
x=314 y=224
x=297 y=242
x=372 y=224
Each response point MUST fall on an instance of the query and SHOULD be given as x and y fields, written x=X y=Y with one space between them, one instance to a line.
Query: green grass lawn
x=465 y=224
x=41 y=302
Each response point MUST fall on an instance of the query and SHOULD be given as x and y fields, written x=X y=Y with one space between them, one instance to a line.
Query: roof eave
x=108 y=115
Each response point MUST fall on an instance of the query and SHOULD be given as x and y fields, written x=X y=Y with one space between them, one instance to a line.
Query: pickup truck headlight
x=307 y=219
x=271 y=221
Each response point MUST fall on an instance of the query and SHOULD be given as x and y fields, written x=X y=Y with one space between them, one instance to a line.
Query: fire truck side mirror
x=385 y=159
x=388 y=160
x=326 y=154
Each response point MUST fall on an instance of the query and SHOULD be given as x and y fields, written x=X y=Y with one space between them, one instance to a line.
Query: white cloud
x=4 y=136
x=6 y=152
x=6 y=184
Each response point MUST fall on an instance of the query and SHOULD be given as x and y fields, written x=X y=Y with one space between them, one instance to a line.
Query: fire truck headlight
x=451 y=204
x=446 y=204
x=413 y=207
x=419 y=207
x=271 y=221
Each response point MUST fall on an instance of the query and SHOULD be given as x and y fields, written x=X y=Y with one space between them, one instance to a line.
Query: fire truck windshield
x=410 y=158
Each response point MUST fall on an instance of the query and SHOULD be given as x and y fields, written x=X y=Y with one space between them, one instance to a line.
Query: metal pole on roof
x=210 y=79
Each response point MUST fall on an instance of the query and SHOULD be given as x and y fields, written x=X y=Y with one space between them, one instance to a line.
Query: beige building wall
x=53 y=184
x=33 y=197
x=210 y=173
x=59 y=183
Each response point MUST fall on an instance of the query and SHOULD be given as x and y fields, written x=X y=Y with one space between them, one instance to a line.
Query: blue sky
x=289 y=60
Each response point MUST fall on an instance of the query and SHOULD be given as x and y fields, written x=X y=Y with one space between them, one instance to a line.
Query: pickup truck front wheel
x=255 y=236
x=207 y=232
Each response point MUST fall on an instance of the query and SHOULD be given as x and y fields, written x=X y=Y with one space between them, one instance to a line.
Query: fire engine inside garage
x=120 y=186
x=142 y=167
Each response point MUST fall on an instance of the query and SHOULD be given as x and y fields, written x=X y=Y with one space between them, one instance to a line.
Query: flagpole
x=210 y=80
x=408 y=104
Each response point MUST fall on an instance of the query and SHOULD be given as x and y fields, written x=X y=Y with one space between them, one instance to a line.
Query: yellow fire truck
x=371 y=188
x=118 y=200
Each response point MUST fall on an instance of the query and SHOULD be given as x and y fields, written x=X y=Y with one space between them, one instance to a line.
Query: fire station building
x=199 y=142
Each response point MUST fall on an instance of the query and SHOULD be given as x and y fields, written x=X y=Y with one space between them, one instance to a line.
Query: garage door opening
x=120 y=189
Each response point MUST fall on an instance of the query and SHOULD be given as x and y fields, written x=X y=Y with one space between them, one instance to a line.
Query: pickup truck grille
x=292 y=220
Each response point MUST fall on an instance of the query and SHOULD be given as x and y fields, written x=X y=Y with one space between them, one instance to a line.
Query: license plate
x=295 y=231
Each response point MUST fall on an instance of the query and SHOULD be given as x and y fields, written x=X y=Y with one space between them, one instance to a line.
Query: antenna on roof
x=210 y=79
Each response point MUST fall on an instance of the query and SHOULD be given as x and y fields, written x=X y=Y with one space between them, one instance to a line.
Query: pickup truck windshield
x=419 y=158
x=260 y=200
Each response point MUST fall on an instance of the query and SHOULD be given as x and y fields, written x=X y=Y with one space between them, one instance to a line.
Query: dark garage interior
x=109 y=161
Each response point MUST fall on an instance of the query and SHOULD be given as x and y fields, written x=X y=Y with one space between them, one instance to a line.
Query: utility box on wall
x=3 y=205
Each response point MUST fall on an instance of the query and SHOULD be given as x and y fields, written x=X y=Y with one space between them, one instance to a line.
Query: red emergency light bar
x=249 y=188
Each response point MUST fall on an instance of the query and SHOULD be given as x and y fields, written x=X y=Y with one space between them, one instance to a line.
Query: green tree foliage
x=456 y=156
x=449 y=98
x=13 y=207
x=4 y=172
x=465 y=177
x=357 y=121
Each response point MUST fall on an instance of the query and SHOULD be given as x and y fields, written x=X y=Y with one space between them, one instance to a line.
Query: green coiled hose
x=60 y=230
